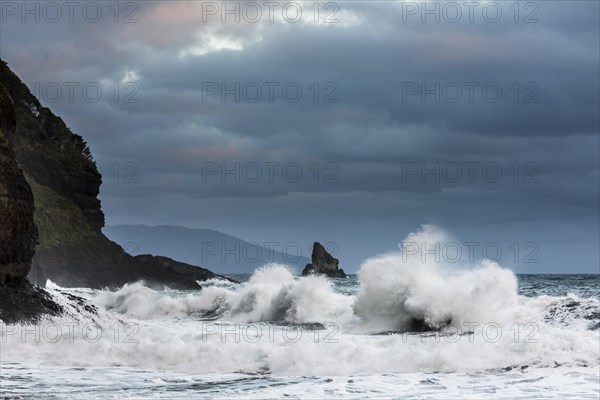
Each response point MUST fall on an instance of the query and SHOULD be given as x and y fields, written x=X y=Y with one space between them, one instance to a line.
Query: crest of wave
x=138 y=301
x=273 y=294
x=413 y=286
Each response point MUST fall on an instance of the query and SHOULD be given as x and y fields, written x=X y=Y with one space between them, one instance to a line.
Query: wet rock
x=323 y=263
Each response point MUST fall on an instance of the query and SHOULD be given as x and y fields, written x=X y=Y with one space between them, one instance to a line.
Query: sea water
x=400 y=328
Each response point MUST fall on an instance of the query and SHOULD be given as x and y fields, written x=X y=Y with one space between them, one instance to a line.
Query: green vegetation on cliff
x=58 y=166
x=58 y=220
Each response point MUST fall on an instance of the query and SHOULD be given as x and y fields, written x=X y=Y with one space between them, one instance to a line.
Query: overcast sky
x=349 y=122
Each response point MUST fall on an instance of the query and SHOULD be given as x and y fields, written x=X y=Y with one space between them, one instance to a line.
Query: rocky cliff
x=60 y=170
x=19 y=300
x=323 y=263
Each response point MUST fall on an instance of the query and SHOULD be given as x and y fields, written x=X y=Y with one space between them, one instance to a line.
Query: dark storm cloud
x=371 y=147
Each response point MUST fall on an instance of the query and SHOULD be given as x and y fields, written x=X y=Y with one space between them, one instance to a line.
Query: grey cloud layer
x=372 y=134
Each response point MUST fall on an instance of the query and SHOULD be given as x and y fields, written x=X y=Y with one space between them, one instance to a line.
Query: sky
x=352 y=123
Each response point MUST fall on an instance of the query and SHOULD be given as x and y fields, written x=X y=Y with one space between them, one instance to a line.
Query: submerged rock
x=323 y=263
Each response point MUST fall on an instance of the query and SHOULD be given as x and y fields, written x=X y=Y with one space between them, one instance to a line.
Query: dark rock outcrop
x=101 y=264
x=323 y=263
x=22 y=302
x=18 y=234
x=65 y=181
x=19 y=300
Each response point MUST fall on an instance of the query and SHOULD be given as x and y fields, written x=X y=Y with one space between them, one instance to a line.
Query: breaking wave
x=459 y=318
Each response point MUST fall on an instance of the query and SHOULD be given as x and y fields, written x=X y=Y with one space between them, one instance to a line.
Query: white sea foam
x=172 y=331
x=192 y=347
x=397 y=288
x=272 y=294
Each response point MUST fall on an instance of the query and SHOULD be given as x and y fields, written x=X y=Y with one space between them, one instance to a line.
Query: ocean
x=400 y=328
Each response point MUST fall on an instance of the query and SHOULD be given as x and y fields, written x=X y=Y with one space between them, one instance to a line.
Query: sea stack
x=323 y=263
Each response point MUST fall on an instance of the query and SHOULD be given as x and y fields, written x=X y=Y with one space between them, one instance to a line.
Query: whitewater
x=406 y=326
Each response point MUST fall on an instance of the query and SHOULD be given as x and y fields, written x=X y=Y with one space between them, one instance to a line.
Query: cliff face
x=19 y=301
x=18 y=234
x=59 y=168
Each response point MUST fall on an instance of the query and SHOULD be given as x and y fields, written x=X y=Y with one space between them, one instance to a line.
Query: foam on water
x=271 y=294
x=52 y=382
x=283 y=326
x=399 y=287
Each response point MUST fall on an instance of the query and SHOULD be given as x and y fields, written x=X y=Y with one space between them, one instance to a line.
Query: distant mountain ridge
x=222 y=253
